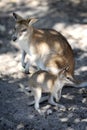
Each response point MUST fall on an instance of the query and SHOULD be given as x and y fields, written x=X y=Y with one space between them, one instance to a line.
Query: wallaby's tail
x=82 y=85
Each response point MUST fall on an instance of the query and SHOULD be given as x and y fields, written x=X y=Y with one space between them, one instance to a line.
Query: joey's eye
x=23 y=30
x=68 y=78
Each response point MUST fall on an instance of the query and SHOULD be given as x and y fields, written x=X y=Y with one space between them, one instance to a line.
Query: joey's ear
x=63 y=70
x=66 y=68
x=17 y=17
x=32 y=21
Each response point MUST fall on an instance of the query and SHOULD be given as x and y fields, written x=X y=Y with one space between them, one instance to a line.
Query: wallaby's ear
x=17 y=17
x=32 y=21
x=63 y=70
x=66 y=68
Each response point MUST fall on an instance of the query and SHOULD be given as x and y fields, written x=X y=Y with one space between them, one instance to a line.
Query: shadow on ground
x=16 y=114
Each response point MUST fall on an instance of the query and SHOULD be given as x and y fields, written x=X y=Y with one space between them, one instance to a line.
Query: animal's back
x=42 y=79
x=51 y=42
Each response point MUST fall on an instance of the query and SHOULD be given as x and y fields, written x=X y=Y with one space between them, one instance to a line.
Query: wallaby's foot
x=61 y=107
x=41 y=112
x=52 y=102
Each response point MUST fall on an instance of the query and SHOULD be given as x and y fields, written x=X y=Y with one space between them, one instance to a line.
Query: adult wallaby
x=48 y=49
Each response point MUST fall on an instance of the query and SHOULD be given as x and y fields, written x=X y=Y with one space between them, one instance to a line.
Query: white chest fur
x=35 y=59
x=23 y=42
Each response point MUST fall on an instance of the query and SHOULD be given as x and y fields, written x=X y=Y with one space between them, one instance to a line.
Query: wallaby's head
x=22 y=25
x=66 y=80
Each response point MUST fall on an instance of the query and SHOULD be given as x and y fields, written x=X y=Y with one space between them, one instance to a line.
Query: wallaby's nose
x=14 y=38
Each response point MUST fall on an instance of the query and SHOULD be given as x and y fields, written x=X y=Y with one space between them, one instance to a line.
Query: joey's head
x=22 y=26
x=64 y=78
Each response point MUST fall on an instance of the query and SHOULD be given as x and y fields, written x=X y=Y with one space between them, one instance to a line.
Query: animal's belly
x=24 y=46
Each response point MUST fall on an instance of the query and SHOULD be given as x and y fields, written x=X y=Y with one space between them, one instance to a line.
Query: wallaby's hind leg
x=58 y=95
x=23 y=58
x=51 y=100
x=37 y=95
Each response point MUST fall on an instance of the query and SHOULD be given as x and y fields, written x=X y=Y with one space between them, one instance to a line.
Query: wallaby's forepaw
x=40 y=112
x=25 y=71
x=23 y=65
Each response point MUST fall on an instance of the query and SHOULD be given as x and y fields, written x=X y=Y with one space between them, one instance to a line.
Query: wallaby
x=44 y=81
x=49 y=50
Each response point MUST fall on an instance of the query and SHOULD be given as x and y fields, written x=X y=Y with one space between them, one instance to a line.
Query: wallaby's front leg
x=25 y=65
x=23 y=58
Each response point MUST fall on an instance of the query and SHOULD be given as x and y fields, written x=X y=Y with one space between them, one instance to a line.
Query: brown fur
x=48 y=46
x=43 y=81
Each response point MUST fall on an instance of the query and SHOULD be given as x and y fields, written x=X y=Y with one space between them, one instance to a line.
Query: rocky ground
x=70 y=18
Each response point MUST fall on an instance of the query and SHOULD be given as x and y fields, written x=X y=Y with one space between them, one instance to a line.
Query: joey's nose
x=14 y=38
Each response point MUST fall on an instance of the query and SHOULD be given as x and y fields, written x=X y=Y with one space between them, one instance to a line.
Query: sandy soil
x=68 y=17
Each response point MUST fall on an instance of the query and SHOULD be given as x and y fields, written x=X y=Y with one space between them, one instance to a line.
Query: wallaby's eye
x=68 y=78
x=23 y=30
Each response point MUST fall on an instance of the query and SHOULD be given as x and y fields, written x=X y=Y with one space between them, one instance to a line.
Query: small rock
x=49 y=112
x=84 y=100
x=20 y=126
x=2 y=28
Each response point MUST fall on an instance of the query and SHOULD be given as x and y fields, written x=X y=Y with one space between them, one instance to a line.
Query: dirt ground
x=70 y=18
